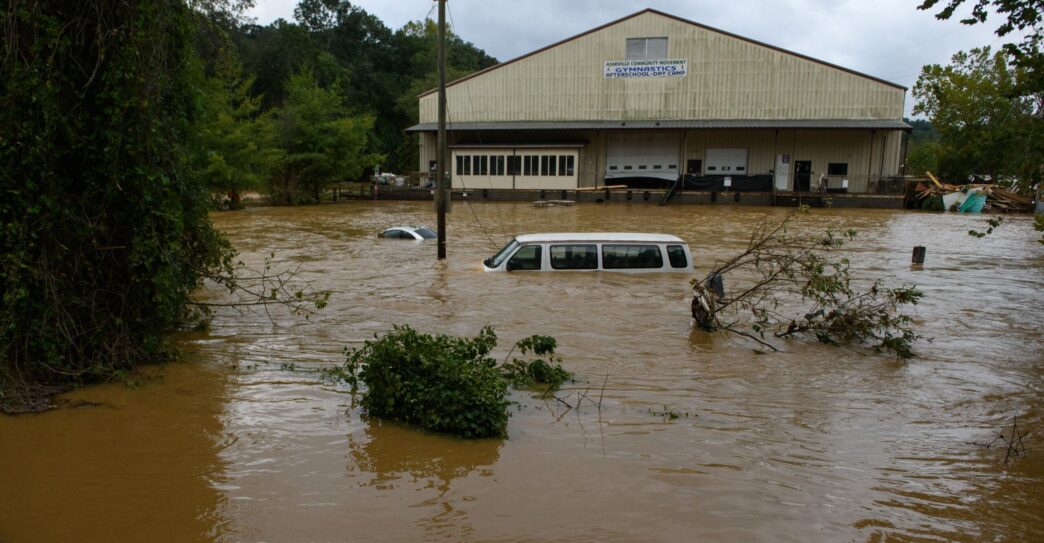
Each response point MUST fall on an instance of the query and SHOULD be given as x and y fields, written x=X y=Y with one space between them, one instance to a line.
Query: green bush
x=440 y=383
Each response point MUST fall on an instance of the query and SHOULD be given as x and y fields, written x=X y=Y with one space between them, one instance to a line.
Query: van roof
x=599 y=236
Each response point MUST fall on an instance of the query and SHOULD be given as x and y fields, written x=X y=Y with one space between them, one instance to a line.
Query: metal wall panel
x=868 y=154
x=728 y=78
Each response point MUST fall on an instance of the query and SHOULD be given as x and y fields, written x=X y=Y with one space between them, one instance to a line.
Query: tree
x=237 y=142
x=105 y=226
x=986 y=126
x=321 y=142
x=1022 y=15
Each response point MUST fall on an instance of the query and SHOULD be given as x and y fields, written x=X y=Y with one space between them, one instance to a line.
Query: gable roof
x=676 y=18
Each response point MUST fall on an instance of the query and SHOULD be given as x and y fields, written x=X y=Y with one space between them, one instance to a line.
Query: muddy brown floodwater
x=240 y=442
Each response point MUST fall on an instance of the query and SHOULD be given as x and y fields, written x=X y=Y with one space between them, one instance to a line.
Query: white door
x=782 y=175
x=642 y=154
x=726 y=162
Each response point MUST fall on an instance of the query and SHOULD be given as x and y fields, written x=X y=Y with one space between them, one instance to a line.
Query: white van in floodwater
x=601 y=251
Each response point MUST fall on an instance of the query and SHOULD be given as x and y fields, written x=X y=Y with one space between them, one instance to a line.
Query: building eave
x=704 y=124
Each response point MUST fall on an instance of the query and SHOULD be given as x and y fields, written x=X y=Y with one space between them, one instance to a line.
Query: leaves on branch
x=786 y=285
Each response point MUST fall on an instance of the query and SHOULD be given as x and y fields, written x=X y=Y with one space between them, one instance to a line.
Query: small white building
x=652 y=96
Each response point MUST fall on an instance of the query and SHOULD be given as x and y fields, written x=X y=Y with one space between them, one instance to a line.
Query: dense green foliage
x=922 y=149
x=987 y=127
x=105 y=227
x=376 y=72
x=988 y=107
x=440 y=383
x=319 y=142
x=237 y=144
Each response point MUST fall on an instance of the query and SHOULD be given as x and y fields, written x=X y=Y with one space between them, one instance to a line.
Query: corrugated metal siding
x=428 y=151
x=728 y=79
x=820 y=146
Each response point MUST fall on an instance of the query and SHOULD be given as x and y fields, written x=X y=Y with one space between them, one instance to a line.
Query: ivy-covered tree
x=105 y=231
x=321 y=142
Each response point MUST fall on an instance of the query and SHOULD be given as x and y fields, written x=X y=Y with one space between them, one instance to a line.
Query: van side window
x=615 y=257
x=676 y=254
x=574 y=257
x=526 y=258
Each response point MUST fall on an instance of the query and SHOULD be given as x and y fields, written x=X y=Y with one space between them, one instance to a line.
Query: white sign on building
x=646 y=68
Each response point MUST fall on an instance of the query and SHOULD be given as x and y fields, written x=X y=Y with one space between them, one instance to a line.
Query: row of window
x=645 y=167
x=548 y=165
x=585 y=257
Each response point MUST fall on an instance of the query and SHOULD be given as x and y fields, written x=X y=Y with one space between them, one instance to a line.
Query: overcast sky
x=889 y=39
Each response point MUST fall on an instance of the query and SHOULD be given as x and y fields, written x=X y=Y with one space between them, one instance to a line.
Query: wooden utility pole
x=441 y=193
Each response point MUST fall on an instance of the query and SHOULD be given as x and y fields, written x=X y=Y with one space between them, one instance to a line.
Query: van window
x=676 y=254
x=615 y=257
x=498 y=259
x=527 y=258
x=574 y=257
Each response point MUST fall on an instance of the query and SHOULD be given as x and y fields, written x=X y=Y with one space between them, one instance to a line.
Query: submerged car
x=408 y=232
x=602 y=251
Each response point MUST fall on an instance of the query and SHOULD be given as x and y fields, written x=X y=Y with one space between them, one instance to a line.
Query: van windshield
x=499 y=258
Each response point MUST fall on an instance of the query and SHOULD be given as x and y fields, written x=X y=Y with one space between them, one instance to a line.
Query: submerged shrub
x=440 y=383
x=538 y=372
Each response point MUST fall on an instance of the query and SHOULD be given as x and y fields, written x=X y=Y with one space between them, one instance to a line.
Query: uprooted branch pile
x=934 y=195
x=788 y=285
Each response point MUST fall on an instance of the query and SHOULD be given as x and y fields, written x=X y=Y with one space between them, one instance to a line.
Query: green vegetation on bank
x=122 y=121
x=105 y=227
x=988 y=106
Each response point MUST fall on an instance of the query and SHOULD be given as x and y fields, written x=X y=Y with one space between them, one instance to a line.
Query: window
x=676 y=254
x=613 y=168
x=562 y=165
x=460 y=164
x=500 y=165
x=485 y=165
x=514 y=165
x=467 y=166
x=646 y=48
x=427 y=233
x=527 y=163
x=551 y=164
x=498 y=259
x=527 y=258
x=574 y=257
x=475 y=164
x=837 y=168
x=642 y=167
x=569 y=164
x=615 y=257
x=543 y=164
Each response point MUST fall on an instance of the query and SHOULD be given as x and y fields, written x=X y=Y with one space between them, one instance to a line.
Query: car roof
x=599 y=236
x=409 y=228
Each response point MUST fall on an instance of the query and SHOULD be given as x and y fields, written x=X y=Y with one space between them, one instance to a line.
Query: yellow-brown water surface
x=242 y=442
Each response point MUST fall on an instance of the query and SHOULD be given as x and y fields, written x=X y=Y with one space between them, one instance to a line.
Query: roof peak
x=676 y=18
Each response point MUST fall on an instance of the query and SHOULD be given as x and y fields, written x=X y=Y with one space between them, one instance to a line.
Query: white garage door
x=642 y=155
x=726 y=162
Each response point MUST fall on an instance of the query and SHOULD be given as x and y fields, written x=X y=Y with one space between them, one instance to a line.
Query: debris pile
x=971 y=198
